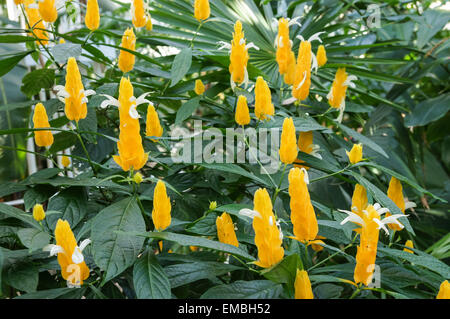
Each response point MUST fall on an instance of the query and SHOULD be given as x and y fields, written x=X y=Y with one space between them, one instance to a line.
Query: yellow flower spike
x=212 y=205
x=321 y=56
x=38 y=212
x=161 y=207
x=138 y=14
x=283 y=44
x=131 y=151
x=359 y=200
x=409 y=244
x=242 y=116
x=268 y=238
x=199 y=87
x=336 y=96
x=73 y=94
x=367 y=249
x=35 y=22
x=65 y=161
x=70 y=257
x=149 y=25
x=302 y=285
x=225 y=230
x=138 y=178
x=444 y=291
x=153 y=126
x=395 y=193
x=289 y=76
x=303 y=217
x=355 y=154
x=201 y=10
x=263 y=100
x=47 y=10
x=238 y=56
x=92 y=18
x=302 y=82
x=288 y=145
x=40 y=120
x=127 y=59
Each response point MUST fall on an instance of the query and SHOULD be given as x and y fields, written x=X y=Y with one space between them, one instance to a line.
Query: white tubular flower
x=251 y=45
x=391 y=220
x=249 y=213
x=352 y=217
x=315 y=151
x=349 y=81
x=305 y=175
x=294 y=21
x=53 y=249
x=77 y=256
x=409 y=204
x=109 y=101
x=224 y=45
x=379 y=209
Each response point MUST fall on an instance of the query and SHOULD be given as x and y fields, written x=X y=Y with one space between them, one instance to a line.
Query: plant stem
x=85 y=150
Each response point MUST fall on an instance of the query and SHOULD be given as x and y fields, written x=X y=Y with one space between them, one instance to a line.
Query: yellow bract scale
x=395 y=193
x=161 y=207
x=127 y=59
x=153 y=126
x=283 y=44
x=263 y=100
x=302 y=83
x=225 y=230
x=242 y=116
x=40 y=120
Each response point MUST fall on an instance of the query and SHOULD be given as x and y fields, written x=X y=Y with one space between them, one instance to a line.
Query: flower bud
x=137 y=178
x=199 y=87
x=38 y=212
x=40 y=120
x=92 y=18
x=355 y=155
x=288 y=145
x=242 y=116
x=127 y=59
x=201 y=9
x=65 y=161
x=161 y=207
x=302 y=285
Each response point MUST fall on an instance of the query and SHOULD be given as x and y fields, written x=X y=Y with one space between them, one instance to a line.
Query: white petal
x=245 y=78
x=59 y=87
x=317 y=155
x=280 y=42
x=89 y=92
x=381 y=225
x=382 y=211
x=330 y=94
x=271 y=221
x=77 y=256
x=300 y=37
x=84 y=243
x=305 y=175
x=315 y=65
x=289 y=101
x=393 y=219
x=295 y=21
x=249 y=213
x=224 y=45
x=84 y=100
x=53 y=249
x=141 y=99
x=232 y=84
x=348 y=81
x=315 y=36
x=377 y=206
x=352 y=217
x=242 y=41
x=133 y=113
x=252 y=45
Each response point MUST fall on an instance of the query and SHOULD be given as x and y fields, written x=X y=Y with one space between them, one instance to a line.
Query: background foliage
x=399 y=111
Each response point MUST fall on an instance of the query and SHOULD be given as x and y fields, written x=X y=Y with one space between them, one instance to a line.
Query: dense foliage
x=397 y=110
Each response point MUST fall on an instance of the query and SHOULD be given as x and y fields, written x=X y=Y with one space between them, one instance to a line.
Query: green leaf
x=63 y=51
x=23 y=276
x=62 y=141
x=422 y=259
x=186 y=240
x=37 y=195
x=9 y=61
x=186 y=273
x=71 y=203
x=19 y=214
x=285 y=271
x=428 y=111
x=150 y=279
x=256 y=289
x=364 y=140
x=235 y=169
x=180 y=66
x=33 y=238
x=328 y=291
x=33 y=82
x=114 y=250
x=187 y=109
x=46 y=294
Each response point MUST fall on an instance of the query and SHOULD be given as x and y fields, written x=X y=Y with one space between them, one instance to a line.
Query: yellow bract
x=303 y=217
x=444 y=291
x=289 y=76
x=35 y=22
x=138 y=14
x=131 y=151
x=242 y=116
x=305 y=145
x=75 y=273
x=283 y=44
x=336 y=98
x=47 y=10
x=201 y=9
x=225 y=230
x=65 y=161
x=359 y=200
x=263 y=100
x=161 y=207
x=288 y=145
x=75 y=105
x=199 y=87
x=302 y=82
x=367 y=249
x=238 y=55
x=92 y=18
x=321 y=56
x=138 y=178
x=268 y=238
x=355 y=155
x=409 y=244
x=153 y=126
x=302 y=285
x=127 y=59
x=395 y=193
x=38 y=212
x=40 y=120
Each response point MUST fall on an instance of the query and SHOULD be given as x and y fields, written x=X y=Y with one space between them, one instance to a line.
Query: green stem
x=278 y=189
x=85 y=150
x=191 y=44
x=329 y=175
